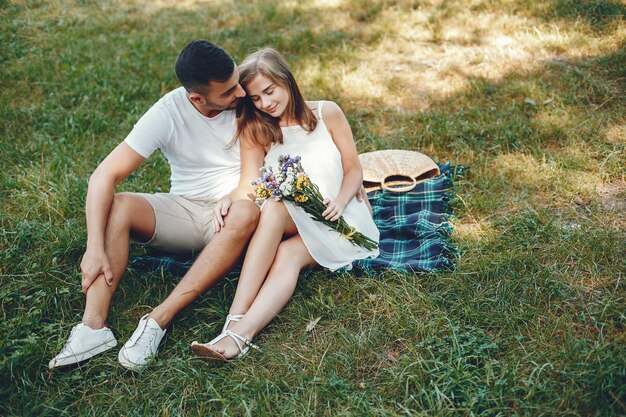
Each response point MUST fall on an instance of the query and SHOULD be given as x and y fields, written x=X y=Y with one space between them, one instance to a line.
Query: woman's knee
x=291 y=254
x=272 y=208
x=274 y=212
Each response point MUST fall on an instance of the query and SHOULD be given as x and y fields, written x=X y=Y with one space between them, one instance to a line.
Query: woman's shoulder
x=329 y=108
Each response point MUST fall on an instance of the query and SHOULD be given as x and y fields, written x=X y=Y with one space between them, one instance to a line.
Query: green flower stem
x=315 y=207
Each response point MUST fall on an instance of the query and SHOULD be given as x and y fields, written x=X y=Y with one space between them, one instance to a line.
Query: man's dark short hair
x=201 y=62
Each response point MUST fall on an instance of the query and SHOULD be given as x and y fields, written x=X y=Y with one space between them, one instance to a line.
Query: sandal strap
x=243 y=349
x=229 y=318
x=226 y=334
x=245 y=341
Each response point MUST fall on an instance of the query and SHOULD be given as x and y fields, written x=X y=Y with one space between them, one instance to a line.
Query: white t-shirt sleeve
x=151 y=132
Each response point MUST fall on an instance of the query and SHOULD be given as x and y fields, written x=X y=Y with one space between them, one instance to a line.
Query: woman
x=273 y=120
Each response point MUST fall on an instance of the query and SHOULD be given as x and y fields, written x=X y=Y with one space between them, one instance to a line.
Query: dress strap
x=320 y=104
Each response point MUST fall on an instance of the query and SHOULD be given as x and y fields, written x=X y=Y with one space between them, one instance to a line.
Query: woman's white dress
x=322 y=162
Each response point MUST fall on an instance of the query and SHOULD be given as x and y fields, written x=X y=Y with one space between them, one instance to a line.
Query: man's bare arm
x=117 y=166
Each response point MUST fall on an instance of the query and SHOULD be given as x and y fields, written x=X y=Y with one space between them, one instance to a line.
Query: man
x=192 y=125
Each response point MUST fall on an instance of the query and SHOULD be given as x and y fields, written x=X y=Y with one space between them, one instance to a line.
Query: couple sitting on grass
x=216 y=132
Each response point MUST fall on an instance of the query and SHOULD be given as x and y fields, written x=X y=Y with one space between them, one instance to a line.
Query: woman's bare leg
x=291 y=257
x=275 y=222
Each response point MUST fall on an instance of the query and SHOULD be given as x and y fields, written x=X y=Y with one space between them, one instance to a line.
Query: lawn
x=529 y=94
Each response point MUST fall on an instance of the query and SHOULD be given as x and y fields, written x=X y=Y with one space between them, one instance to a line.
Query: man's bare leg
x=130 y=215
x=213 y=263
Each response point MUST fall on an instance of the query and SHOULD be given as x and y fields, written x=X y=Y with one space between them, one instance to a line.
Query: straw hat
x=396 y=170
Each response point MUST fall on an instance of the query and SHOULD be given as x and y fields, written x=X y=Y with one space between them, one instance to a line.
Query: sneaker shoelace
x=147 y=337
x=66 y=348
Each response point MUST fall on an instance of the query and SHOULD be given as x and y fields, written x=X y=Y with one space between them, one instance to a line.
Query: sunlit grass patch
x=474 y=231
x=425 y=53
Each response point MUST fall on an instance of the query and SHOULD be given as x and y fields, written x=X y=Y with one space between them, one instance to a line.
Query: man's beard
x=233 y=105
x=214 y=106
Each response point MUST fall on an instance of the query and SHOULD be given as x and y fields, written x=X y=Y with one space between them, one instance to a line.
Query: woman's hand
x=334 y=209
x=220 y=211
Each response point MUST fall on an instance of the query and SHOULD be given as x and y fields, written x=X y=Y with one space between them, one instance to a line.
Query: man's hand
x=334 y=209
x=220 y=211
x=92 y=266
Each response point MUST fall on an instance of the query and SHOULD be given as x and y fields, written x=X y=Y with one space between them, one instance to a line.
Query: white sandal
x=230 y=318
x=202 y=350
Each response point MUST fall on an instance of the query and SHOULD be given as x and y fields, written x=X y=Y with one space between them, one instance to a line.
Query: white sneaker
x=142 y=345
x=83 y=343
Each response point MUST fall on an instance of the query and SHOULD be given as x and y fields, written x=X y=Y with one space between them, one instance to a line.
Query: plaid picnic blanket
x=414 y=230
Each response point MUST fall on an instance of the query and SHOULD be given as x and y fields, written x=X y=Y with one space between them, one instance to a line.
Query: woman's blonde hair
x=259 y=127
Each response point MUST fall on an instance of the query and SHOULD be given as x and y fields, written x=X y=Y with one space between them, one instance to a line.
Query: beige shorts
x=182 y=225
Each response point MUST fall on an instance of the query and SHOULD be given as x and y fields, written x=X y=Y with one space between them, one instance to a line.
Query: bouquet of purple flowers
x=290 y=182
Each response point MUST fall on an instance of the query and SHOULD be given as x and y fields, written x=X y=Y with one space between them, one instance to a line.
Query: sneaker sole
x=126 y=363
x=83 y=356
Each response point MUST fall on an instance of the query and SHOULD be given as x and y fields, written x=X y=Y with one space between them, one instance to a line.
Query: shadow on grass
x=598 y=13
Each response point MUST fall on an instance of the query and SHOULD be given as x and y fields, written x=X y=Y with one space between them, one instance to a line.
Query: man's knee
x=119 y=214
x=242 y=216
x=132 y=212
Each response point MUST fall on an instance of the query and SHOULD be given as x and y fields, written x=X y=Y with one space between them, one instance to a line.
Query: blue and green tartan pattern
x=414 y=227
x=414 y=231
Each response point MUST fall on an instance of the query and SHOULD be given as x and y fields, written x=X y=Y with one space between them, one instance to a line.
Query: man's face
x=220 y=96
x=223 y=96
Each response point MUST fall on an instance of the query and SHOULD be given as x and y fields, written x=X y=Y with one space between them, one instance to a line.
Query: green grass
x=529 y=94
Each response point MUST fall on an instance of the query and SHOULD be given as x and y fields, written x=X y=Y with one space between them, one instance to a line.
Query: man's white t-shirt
x=196 y=146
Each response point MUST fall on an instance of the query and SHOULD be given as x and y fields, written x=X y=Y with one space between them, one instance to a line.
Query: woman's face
x=267 y=96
